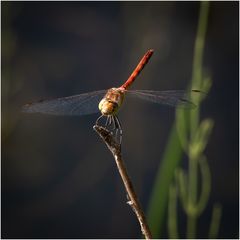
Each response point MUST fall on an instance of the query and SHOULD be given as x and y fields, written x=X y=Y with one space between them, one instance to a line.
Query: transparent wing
x=82 y=104
x=172 y=97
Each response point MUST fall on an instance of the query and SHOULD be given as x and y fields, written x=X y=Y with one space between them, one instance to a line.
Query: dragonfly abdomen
x=138 y=69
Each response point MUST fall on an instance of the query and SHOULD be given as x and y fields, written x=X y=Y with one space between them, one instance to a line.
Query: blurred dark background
x=58 y=179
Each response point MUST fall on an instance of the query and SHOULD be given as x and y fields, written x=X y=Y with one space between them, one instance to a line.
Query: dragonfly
x=108 y=102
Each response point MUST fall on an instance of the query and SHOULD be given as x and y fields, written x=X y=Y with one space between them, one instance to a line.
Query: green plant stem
x=206 y=185
x=215 y=222
x=191 y=226
x=192 y=197
x=172 y=213
x=156 y=214
x=198 y=59
x=199 y=44
x=181 y=181
x=173 y=153
x=194 y=118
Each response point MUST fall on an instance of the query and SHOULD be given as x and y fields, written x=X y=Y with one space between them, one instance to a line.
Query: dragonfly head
x=111 y=102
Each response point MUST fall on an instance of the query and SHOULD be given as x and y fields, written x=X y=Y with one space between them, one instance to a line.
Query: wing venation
x=81 y=104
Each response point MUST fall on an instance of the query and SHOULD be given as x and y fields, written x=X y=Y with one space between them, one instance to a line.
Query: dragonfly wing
x=172 y=97
x=82 y=104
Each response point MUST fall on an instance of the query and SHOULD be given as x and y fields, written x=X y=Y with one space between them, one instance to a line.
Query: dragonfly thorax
x=112 y=101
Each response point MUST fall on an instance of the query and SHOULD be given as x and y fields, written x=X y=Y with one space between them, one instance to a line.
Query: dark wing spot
x=194 y=90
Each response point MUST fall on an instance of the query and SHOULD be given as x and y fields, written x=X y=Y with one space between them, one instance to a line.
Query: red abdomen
x=138 y=69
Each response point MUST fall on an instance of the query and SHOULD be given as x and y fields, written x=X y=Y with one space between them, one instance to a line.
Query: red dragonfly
x=109 y=101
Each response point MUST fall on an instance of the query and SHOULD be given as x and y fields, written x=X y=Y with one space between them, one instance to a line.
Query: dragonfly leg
x=118 y=128
x=98 y=119
x=114 y=122
x=108 y=121
x=113 y=125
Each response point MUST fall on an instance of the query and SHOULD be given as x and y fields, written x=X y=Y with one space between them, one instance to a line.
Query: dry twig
x=115 y=149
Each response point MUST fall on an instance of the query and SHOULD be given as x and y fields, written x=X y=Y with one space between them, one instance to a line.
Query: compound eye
x=101 y=104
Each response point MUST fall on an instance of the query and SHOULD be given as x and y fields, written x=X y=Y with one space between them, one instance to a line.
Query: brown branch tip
x=115 y=149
